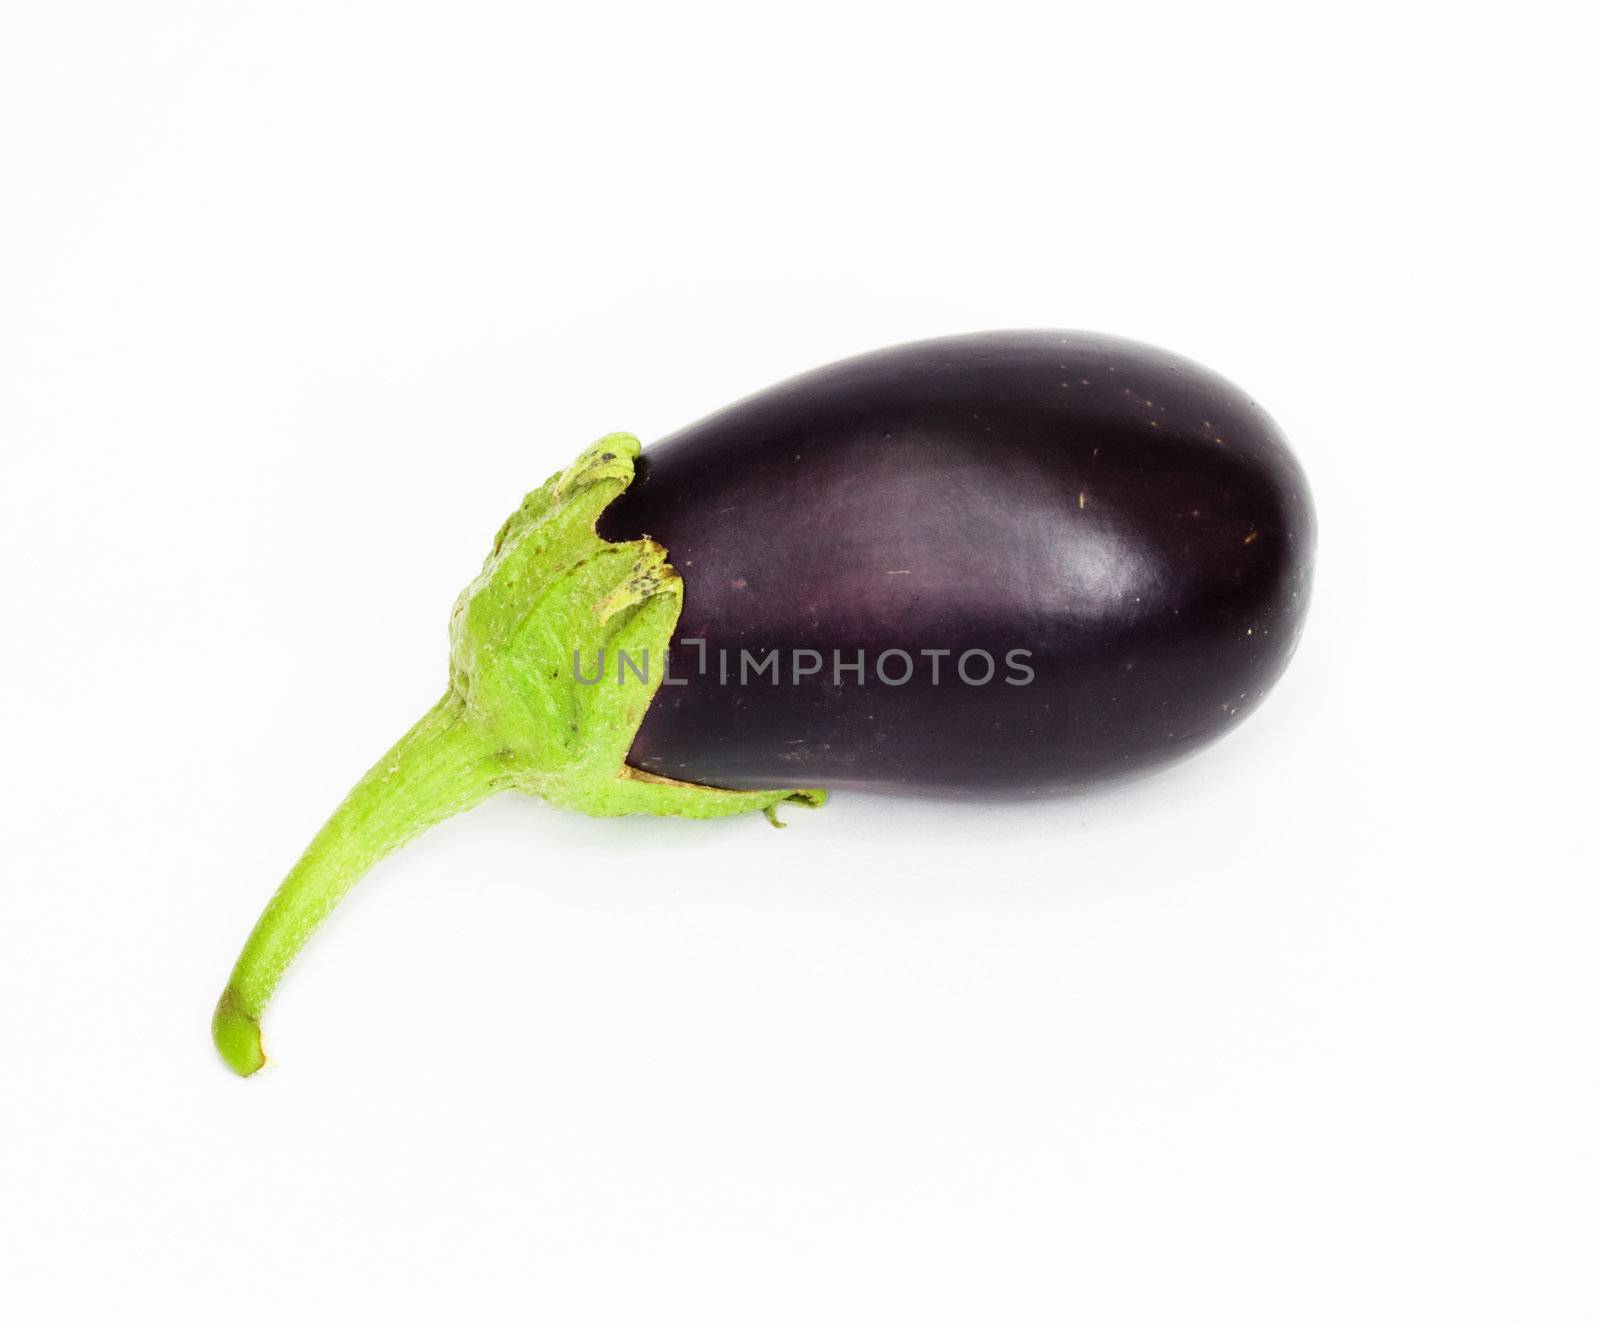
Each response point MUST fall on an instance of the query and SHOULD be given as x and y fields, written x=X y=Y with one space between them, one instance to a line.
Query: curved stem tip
x=443 y=765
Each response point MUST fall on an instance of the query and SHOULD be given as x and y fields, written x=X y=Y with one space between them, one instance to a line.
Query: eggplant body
x=1122 y=533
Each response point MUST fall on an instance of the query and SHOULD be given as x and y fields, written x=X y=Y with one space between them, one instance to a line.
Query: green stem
x=443 y=765
x=551 y=590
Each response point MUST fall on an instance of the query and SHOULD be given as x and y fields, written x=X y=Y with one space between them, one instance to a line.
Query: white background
x=297 y=300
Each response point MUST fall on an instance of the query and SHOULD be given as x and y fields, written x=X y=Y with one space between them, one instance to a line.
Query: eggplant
x=1132 y=523
x=1002 y=565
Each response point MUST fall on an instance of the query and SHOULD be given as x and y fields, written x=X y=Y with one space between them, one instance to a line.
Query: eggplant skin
x=1132 y=521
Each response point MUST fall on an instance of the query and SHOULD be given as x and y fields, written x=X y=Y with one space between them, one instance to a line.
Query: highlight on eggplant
x=1003 y=565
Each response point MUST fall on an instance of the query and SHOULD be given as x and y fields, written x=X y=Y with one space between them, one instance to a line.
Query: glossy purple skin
x=1134 y=521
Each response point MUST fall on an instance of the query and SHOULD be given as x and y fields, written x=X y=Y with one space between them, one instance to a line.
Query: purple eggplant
x=995 y=565
x=1128 y=528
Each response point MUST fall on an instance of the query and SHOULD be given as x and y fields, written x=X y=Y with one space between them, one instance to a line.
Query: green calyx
x=554 y=600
